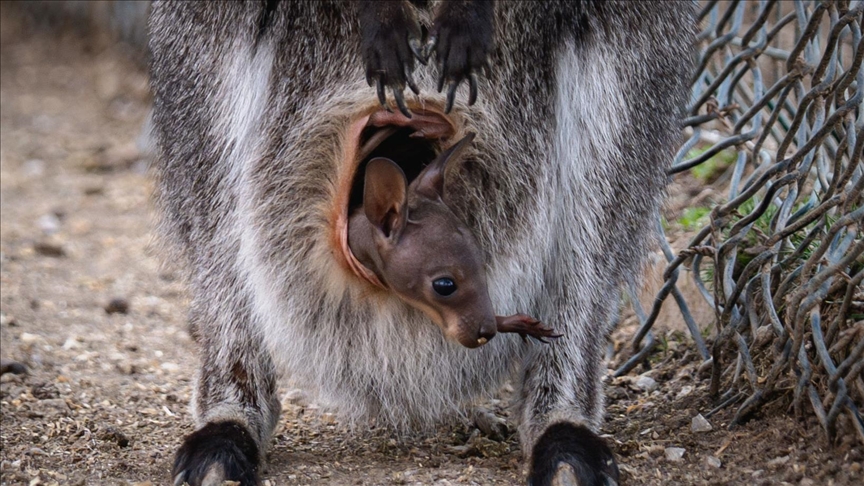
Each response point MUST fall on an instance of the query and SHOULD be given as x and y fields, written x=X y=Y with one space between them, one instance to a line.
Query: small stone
x=295 y=397
x=807 y=482
x=113 y=434
x=49 y=249
x=71 y=343
x=674 y=454
x=7 y=320
x=646 y=383
x=28 y=338
x=170 y=367
x=49 y=223
x=52 y=406
x=685 y=391
x=34 y=168
x=713 y=461
x=44 y=391
x=778 y=461
x=117 y=306
x=127 y=368
x=700 y=424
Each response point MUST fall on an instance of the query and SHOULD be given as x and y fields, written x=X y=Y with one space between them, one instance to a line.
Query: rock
x=170 y=367
x=44 y=391
x=7 y=320
x=491 y=425
x=674 y=454
x=296 y=397
x=778 y=461
x=700 y=424
x=117 y=305
x=45 y=248
x=646 y=383
x=28 y=338
x=34 y=168
x=71 y=343
x=113 y=434
x=685 y=391
x=51 y=406
x=49 y=223
x=712 y=461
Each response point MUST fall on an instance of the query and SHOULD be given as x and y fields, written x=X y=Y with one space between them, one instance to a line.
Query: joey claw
x=400 y=102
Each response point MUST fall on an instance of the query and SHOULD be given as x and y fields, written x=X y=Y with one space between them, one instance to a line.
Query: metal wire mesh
x=780 y=85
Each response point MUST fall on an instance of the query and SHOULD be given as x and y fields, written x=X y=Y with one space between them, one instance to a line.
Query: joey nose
x=486 y=333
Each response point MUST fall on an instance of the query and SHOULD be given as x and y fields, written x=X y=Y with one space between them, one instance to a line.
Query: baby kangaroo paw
x=568 y=454
x=218 y=452
x=526 y=325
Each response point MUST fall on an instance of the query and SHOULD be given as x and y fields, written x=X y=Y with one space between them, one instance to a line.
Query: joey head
x=418 y=249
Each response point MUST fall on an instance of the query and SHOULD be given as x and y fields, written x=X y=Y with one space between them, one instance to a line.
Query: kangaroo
x=261 y=112
x=413 y=245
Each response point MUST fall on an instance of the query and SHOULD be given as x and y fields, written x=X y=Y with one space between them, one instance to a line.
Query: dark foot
x=571 y=454
x=218 y=452
x=391 y=38
x=462 y=40
x=526 y=326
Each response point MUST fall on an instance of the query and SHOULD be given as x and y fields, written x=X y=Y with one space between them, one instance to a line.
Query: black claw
x=487 y=67
x=418 y=49
x=410 y=80
x=472 y=94
x=400 y=102
x=429 y=47
x=440 y=85
x=382 y=93
x=451 y=95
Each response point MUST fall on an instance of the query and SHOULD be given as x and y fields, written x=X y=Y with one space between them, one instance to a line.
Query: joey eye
x=444 y=286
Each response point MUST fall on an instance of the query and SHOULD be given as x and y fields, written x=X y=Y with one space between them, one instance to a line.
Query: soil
x=99 y=323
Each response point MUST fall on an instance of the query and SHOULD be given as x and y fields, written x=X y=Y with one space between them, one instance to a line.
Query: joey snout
x=472 y=332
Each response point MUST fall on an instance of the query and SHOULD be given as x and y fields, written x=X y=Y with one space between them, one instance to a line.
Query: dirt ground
x=100 y=326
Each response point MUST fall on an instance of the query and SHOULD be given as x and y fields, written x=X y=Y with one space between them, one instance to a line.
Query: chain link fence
x=779 y=87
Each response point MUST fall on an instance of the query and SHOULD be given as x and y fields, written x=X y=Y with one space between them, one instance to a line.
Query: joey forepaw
x=525 y=326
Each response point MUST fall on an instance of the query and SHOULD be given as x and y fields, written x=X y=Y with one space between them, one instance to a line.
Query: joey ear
x=385 y=196
x=430 y=182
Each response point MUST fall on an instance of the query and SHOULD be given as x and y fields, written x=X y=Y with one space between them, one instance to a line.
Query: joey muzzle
x=471 y=331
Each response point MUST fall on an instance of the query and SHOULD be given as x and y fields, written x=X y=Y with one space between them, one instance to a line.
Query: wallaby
x=260 y=112
x=413 y=245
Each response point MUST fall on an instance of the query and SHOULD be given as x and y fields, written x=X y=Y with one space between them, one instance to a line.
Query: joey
x=411 y=240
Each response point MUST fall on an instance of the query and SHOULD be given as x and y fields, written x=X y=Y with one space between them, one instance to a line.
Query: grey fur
x=576 y=125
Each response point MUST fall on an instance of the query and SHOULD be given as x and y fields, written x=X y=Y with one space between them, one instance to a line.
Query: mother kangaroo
x=265 y=115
